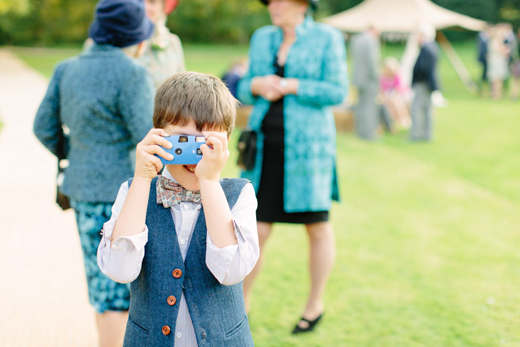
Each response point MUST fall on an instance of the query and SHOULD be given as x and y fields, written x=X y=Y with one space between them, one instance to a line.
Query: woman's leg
x=321 y=261
x=500 y=85
x=111 y=327
x=105 y=295
x=401 y=111
x=264 y=230
x=515 y=87
x=391 y=109
x=496 y=87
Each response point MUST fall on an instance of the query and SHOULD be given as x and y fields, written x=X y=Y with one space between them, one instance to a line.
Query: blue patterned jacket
x=318 y=59
x=105 y=99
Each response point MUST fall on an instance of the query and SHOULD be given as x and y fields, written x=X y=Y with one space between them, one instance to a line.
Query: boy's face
x=184 y=174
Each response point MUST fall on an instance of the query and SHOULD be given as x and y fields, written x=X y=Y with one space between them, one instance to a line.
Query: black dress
x=270 y=191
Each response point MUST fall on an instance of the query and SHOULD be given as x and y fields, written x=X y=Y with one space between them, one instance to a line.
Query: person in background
x=482 y=47
x=515 y=68
x=297 y=70
x=365 y=49
x=164 y=56
x=425 y=85
x=394 y=93
x=234 y=74
x=105 y=99
x=509 y=38
x=498 y=61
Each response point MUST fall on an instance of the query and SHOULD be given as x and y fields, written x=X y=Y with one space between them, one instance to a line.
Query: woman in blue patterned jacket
x=105 y=98
x=297 y=71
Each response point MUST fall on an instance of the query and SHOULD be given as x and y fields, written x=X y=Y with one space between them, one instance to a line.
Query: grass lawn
x=427 y=234
x=203 y=58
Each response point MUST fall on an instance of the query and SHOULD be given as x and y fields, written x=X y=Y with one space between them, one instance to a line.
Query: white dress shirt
x=121 y=260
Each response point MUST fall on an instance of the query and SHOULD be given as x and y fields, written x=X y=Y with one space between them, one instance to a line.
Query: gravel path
x=43 y=293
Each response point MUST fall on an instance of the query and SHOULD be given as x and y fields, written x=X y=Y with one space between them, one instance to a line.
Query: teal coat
x=318 y=60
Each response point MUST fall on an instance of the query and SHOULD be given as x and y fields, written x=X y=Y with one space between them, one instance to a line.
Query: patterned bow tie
x=170 y=193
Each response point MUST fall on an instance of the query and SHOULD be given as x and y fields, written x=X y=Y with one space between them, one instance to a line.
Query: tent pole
x=455 y=61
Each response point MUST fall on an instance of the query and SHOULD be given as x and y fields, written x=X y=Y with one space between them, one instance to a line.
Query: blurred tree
x=335 y=6
x=480 y=9
x=20 y=7
x=51 y=22
x=218 y=20
x=509 y=11
x=48 y=22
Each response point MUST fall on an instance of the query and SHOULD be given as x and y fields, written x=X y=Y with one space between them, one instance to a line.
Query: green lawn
x=203 y=58
x=427 y=234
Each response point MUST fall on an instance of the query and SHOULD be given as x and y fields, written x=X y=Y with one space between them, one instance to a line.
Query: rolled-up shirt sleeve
x=231 y=264
x=121 y=260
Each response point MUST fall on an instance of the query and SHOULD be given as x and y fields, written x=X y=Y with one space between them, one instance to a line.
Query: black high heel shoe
x=310 y=327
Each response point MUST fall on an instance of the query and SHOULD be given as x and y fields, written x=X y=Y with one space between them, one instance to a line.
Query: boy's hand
x=213 y=159
x=147 y=165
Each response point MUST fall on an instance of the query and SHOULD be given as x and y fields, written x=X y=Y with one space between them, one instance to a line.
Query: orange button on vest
x=172 y=300
x=165 y=330
x=177 y=273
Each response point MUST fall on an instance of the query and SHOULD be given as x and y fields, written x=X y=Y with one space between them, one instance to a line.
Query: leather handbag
x=61 y=199
x=247 y=149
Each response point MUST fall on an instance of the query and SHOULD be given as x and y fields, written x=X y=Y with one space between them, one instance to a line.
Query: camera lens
x=199 y=152
x=178 y=151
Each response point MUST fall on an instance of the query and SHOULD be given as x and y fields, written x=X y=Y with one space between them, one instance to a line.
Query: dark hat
x=120 y=23
x=313 y=3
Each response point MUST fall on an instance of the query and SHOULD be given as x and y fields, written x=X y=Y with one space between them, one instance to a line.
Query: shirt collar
x=168 y=175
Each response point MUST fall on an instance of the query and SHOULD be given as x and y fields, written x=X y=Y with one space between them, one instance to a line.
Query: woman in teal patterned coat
x=297 y=71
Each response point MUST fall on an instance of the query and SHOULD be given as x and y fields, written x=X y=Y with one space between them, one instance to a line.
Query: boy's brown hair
x=192 y=95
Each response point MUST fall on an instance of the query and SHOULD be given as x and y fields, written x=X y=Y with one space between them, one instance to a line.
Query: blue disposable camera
x=185 y=149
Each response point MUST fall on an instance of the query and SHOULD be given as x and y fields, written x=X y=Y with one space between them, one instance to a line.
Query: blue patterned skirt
x=104 y=294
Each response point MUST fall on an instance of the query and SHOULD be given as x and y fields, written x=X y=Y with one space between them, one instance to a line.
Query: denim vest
x=217 y=311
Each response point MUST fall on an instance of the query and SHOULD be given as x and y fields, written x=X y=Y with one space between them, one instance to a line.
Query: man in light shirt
x=365 y=49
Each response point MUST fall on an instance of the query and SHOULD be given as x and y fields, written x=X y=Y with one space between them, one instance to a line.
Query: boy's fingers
x=161 y=141
x=156 y=139
x=222 y=136
x=156 y=162
x=219 y=134
x=155 y=149
x=158 y=131
x=215 y=142
x=205 y=150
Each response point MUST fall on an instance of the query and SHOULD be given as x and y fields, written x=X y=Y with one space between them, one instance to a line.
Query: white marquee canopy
x=402 y=16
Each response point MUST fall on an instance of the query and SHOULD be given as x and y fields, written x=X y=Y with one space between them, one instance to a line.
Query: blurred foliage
x=54 y=22
x=493 y=11
x=48 y=22
x=20 y=7
x=218 y=20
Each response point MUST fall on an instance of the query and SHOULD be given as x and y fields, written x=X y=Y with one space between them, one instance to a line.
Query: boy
x=184 y=239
